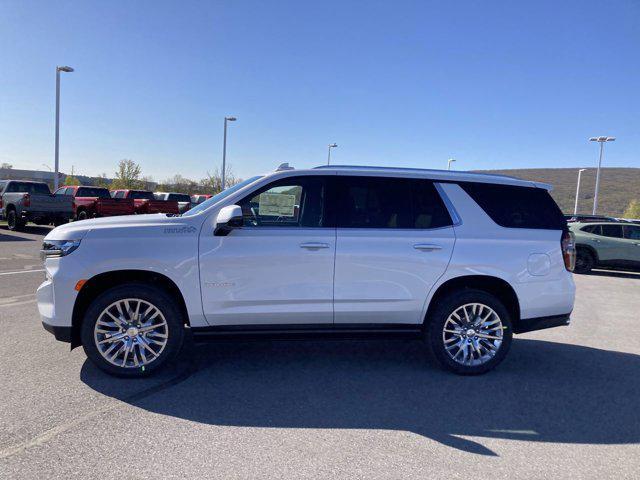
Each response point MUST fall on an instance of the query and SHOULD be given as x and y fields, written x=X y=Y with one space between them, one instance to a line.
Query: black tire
x=82 y=215
x=155 y=296
x=13 y=222
x=438 y=318
x=585 y=261
x=59 y=221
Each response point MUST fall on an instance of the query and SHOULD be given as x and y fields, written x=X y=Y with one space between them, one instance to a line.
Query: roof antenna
x=284 y=166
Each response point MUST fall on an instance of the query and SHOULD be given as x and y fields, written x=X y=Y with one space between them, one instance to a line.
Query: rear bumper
x=541 y=323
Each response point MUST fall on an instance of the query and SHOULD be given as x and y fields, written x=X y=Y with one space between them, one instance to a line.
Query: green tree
x=128 y=176
x=633 y=210
x=71 y=181
x=101 y=181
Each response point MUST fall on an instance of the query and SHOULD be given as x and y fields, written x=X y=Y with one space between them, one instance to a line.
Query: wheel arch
x=106 y=280
x=495 y=286
x=588 y=248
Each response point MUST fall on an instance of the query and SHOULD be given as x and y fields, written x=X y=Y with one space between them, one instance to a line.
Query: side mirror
x=229 y=217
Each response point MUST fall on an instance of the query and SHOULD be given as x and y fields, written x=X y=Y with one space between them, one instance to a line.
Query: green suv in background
x=606 y=244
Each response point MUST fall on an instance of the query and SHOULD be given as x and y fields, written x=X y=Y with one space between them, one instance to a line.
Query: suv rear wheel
x=469 y=332
x=132 y=330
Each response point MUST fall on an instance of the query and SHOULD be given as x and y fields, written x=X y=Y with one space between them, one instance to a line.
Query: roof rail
x=413 y=169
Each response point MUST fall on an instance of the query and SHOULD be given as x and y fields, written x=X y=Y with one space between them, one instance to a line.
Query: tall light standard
x=58 y=70
x=224 y=149
x=575 y=208
x=601 y=141
x=449 y=162
x=331 y=145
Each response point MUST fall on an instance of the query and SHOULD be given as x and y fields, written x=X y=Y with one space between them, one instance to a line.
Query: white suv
x=463 y=260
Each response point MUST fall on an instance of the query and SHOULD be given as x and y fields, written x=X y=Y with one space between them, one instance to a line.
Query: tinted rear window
x=517 y=207
x=93 y=192
x=27 y=187
x=179 y=197
x=137 y=194
x=373 y=202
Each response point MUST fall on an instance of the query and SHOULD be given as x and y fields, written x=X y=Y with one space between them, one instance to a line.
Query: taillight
x=0 y=202
x=26 y=200
x=568 y=243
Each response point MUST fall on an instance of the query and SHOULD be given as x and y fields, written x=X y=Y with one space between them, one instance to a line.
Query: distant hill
x=618 y=186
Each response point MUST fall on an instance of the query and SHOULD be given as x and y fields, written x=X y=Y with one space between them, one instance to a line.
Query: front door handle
x=427 y=247
x=314 y=245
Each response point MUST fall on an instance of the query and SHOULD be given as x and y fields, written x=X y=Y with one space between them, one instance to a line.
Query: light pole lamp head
x=602 y=139
x=333 y=145
x=64 y=69
x=582 y=170
x=230 y=119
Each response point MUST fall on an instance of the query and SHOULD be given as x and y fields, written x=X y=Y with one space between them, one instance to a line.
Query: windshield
x=216 y=198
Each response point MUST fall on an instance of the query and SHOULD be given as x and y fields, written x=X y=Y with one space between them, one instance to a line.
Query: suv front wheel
x=469 y=332
x=132 y=330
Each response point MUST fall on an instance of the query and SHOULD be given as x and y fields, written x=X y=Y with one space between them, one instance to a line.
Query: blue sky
x=492 y=84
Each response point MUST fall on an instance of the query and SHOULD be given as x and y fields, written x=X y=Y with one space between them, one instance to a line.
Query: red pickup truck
x=91 y=202
x=145 y=202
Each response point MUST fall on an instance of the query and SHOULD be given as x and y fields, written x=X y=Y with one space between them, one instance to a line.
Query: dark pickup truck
x=145 y=202
x=22 y=201
x=89 y=202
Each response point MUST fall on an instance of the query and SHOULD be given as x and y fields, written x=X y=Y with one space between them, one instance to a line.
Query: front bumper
x=62 y=334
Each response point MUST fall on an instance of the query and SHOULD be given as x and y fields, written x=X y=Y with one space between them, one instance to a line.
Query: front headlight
x=58 y=248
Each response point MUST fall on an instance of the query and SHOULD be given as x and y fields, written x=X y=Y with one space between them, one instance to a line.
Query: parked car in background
x=589 y=218
x=606 y=245
x=199 y=198
x=184 y=200
x=145 y=202
x=89 y=202
x=330 y=251
x=23 y=201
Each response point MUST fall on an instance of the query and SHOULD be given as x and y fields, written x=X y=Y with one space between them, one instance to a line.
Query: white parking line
x=21 y=271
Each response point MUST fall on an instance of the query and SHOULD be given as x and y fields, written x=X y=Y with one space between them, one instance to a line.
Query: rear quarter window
x=517 y=207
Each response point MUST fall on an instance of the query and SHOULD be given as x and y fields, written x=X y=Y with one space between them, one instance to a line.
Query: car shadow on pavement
x=18 y=237
x=543 y=392
x=615 y=273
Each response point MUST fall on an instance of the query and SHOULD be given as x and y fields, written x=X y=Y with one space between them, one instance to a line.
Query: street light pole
x=601 y=141
x=449 y=162
x=575 y=208
x=58 y=70
x=331 y=145
x=224 y=149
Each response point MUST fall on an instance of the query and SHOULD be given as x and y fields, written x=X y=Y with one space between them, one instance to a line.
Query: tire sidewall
x=448 y=305
x=589 y=261
x=155 y=296
x=12 y=220
x=83 y=215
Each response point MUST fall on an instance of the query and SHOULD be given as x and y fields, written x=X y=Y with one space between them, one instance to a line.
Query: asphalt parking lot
x=565 y=403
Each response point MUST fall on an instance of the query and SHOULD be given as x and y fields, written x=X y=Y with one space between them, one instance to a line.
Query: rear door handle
x=427 y=247
x=314 y=245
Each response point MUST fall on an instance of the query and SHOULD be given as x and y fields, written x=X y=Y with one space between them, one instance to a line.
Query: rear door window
x=613 y=231
x=517 y=207
x=386 y=202
x=179 y=197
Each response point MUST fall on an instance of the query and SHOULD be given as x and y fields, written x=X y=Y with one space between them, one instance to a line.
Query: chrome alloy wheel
x=472 y=334
x=131 y=333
